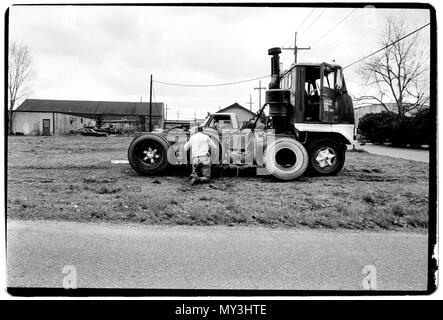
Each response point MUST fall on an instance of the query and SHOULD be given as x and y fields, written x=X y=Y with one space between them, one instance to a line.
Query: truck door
x=309 y=89
x=327 y=95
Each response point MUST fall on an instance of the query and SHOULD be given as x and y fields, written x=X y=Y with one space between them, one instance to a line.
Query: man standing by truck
x=200 y=144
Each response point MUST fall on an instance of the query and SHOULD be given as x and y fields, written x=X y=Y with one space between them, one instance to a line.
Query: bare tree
x=19 y=75
x=400 y=74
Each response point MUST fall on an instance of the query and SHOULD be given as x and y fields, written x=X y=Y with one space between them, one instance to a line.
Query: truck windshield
x=205 y=122
x=333 y=79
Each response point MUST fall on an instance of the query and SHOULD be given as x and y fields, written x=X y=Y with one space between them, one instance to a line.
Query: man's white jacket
x=199 y=144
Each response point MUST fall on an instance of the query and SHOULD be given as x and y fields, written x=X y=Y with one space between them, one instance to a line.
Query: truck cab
x=310 y=100
x=318 y=92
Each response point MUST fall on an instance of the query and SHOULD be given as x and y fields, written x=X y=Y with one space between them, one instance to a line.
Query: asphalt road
x=403 y=153
x=134 y=256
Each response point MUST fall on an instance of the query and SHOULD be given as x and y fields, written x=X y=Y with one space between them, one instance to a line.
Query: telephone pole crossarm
x=295 y=48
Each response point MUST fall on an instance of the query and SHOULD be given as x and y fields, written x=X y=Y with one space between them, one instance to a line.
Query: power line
x=315 y=20
x=210 y=85
x=295 y=48
x=387 y=46
x=259 y=88
x=318 y=16
x=303 y=22
x=283 y=58
x=334 y=27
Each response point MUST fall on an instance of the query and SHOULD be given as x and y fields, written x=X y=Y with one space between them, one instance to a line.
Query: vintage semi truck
x=305 y=124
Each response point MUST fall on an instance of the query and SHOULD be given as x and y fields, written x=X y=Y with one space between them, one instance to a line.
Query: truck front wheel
x=326 y=157
x=147 y=154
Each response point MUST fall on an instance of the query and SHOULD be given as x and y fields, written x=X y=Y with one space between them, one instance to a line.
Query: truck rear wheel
x=286 y=159
x=147 y=154
x=326 y=157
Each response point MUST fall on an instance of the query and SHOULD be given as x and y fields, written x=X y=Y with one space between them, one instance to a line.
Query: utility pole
x=250 y=103
x=150 y=105
x=260 y=88
x=296 y=48
x=165 y=114
x=166 y=111
x=178 y=115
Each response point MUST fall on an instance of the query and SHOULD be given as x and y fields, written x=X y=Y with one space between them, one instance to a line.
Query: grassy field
x=72 y=178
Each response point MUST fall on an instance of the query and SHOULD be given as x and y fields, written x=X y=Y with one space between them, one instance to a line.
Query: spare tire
x=147 y=154
x=286 y=159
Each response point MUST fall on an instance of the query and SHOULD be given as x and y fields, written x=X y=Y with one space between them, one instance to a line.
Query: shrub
x=376 y=127
x=386 y=126
x=402 y=132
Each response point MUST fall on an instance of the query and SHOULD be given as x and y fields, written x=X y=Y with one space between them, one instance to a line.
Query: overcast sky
x=109 y=53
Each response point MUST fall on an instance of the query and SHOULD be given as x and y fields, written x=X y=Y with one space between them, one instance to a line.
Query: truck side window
x=286 y=82
x=220 y=122
x=225 y=124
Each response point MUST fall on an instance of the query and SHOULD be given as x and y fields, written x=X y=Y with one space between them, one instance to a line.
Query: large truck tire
x=286 y=159
x=147 y=154
x=326 y=157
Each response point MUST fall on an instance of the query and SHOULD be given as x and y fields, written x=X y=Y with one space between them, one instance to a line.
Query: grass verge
x=72 y=178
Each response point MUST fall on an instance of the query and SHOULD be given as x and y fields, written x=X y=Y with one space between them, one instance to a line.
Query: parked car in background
x=91 y=132
x=109 y=129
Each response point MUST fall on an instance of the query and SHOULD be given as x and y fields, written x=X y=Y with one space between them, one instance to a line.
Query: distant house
x=243 y=114
x=58 y=117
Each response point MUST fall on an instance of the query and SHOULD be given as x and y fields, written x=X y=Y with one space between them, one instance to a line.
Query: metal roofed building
x=58 y=117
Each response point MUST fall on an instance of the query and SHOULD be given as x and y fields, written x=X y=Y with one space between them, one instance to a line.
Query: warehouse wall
x=31 y=123
x=66 y=124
